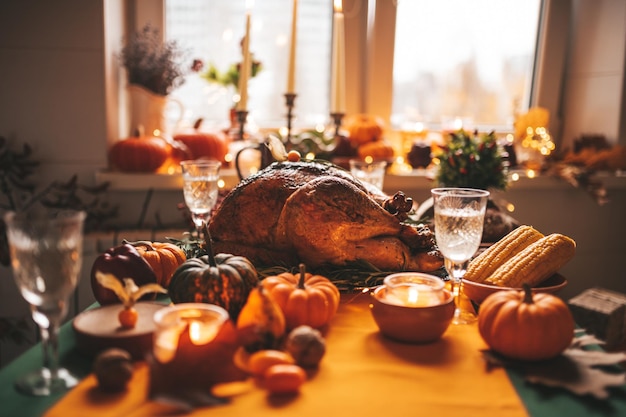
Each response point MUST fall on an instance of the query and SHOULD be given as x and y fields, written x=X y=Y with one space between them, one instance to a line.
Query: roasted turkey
x=319 y=214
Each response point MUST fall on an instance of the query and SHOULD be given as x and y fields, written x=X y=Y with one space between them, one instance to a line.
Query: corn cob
x=535 y=263
x=481 y=267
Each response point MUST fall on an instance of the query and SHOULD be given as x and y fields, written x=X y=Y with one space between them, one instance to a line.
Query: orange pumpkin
x=377 y=150
x=139 y=153
x=304 y=298
x=364 y=128
x=208 y=145
x=527 y=326
x=163 y=257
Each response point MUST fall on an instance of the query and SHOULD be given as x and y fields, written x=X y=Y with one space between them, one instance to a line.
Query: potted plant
x=230 y=78
x=154 y=69
x=473 y=160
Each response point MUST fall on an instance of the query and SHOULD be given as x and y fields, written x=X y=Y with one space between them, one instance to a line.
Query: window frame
x=369 y=61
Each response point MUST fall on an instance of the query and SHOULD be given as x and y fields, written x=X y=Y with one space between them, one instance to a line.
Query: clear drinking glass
x=46 y=256
x=372 y=172
x=459 y=218
x=200 y=189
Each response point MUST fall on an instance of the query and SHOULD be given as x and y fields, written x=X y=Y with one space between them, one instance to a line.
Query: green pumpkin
x=224 y=280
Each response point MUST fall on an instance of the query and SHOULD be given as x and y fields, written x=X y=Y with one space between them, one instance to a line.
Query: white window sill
x=415 y=180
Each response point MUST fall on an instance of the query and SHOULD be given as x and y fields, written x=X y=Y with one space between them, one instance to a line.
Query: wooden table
x=363 y=373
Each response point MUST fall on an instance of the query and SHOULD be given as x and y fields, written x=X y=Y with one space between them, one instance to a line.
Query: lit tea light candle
x=197 y=323
x=414 y=289
x=193 y=349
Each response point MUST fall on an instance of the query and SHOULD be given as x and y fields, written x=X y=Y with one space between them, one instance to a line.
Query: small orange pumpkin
x=304 y=298
x=379 y=149
x=208 y=145
x=527 y=326
x=364 y=128
x=163 y=257
x=139 y=153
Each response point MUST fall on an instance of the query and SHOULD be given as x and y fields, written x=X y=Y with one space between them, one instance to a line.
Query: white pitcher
x=148 y=109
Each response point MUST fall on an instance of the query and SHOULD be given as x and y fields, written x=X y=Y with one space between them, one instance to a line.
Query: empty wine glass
x=46 y=256
x=459 y=218
x=200 y=189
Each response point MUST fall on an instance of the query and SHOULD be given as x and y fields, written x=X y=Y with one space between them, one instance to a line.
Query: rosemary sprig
x=352 y=277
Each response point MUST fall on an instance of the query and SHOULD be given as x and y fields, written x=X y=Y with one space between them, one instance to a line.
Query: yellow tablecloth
x=363 y=373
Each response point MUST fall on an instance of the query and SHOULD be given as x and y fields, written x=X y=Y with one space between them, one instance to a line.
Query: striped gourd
x=537 y=262
x=481 y=267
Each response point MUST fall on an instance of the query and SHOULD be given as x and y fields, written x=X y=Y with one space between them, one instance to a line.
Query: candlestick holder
x=290 y=99
x=242 y=115
x=337 y=117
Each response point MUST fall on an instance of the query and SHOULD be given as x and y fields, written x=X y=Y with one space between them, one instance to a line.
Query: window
x=212 y=31
x=463 y=60
x=453 y=58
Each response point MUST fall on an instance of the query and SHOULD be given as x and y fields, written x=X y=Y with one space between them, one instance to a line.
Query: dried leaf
x=584 y=339
x=583 y=372
x=575 y=375
x=145 y=289
x=128 y=293
x=110 y=282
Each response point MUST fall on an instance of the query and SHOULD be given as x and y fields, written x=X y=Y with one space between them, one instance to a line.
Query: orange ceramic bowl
x=477 y=292
x=411 y=324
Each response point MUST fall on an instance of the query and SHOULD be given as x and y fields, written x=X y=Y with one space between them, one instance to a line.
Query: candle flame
x=337 y=5
x=249 y=5
x=202 y=333
x=413 y=295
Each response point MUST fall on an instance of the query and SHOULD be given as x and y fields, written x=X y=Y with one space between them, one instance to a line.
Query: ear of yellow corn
x=481 y=267
x=535 y=263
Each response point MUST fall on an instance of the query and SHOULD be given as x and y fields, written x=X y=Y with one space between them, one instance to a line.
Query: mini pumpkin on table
x=304 y=298
x=526 y=326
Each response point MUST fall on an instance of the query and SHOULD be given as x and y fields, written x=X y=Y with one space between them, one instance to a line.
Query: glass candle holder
x=414 y=289
x=193 y=349
x=181 y=327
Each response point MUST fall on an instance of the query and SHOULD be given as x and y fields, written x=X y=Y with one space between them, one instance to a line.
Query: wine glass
x=459 y=218
x=200 y=189
x=46 y=256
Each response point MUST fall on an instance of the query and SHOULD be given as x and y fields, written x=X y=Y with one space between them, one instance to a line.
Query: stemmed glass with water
x=46 y=256
x=459 y=219
x=200 y=188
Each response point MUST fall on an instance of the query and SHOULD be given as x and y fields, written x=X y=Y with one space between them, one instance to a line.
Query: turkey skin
x=318 y=214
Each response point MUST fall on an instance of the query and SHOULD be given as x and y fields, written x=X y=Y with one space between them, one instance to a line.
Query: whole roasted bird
x=319 y=214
